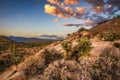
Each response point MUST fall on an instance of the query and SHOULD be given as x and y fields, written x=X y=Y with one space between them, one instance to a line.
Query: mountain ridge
x=24 y=39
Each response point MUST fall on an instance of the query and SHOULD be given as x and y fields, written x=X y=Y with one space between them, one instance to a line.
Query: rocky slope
x=103 y=63
x=106 y=27
x=87 y=68
x=5 y=43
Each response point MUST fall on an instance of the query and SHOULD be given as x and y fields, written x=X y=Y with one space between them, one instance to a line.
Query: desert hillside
x=82 y=56
x=12 y=52
x=104 y=27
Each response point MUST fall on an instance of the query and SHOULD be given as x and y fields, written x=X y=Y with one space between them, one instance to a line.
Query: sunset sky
x=30 y=18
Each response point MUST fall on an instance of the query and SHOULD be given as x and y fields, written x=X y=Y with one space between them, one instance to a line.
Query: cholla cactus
x=14 y=58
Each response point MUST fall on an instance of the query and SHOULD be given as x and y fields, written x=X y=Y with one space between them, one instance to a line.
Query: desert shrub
x=51 y=55
x=68 y=34
x=5 y=63
x=111 y=36
x=67 y=46
x=116 y=44
x=34 y=44
x=84 y=46
x=4 y=46
x=14 y=58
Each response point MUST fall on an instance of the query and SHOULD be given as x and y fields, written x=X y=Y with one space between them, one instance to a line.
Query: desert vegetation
x=51 y=55
x=13 y=53
x=111 y=36
x=15 y=58
x=82 y=49
x=117 y=44
x=67 y=45
x=84 y=46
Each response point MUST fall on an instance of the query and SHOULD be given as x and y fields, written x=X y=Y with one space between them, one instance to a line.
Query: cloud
x=115 y=3
x=71 y=2
x=97 y=5
x=69 y=10
x=100 y=10
x=55 y=11
x=51 y=9
x=76 y=25
x=56 y=20
x=113 y=6
x=81 y=10
x=85 y=23
x=56 y=2
x=62 y=14
x=54 y=37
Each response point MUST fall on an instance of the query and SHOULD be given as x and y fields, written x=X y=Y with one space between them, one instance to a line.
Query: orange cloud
x=62 y=15
x=56 y=20
x=55 y=11
x=52 y=1
x=69 y=10
x=56 y=2
x=80 y=10
x=71 y=2
x=50 y=9
x=63 y=9
x=98 y=9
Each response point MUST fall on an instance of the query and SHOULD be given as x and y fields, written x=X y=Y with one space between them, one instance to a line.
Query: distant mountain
x=53 y=37
x=41 y=38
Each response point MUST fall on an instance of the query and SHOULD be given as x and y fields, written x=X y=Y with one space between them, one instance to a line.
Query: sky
x=31 y=18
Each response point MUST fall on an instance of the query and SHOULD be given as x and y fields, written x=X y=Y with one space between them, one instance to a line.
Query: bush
x=82 y=49
x=116 y=44
x=51 y=55
x=112 y=36
x=4 y=46
x=84 y=46
x=5 y=63
x=67 y=45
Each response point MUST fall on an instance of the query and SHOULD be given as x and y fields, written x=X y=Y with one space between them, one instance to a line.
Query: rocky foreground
x=102 y=64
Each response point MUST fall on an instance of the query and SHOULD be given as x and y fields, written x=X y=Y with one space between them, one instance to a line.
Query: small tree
x=67 y=45
x=84 y=46
x=14 y=58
